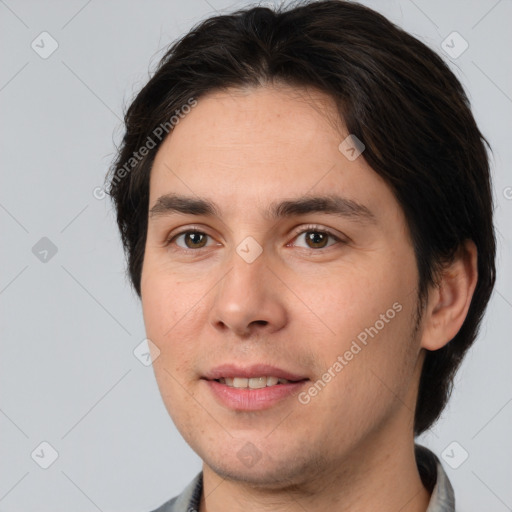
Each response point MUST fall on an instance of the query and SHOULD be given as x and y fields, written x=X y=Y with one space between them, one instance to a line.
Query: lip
x=255 y=370
x=244 y=399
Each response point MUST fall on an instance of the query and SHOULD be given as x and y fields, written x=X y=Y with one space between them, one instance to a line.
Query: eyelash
x=307 y=229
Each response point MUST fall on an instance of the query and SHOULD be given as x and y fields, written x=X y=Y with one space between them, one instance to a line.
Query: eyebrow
x=338 y=206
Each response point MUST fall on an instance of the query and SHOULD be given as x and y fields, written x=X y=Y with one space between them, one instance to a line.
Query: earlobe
x=449 y=301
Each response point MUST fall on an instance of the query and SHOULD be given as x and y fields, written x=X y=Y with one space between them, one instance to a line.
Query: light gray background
x=69 y=326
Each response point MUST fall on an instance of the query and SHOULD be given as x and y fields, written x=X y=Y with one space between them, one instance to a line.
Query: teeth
x=253 y=383
x=272 y=381
x=240 y=382
x=258 y=382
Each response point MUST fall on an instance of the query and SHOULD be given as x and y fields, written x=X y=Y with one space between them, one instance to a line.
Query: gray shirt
x=431 y=471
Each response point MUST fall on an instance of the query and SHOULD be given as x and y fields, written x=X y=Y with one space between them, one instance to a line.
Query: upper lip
x=254 y=370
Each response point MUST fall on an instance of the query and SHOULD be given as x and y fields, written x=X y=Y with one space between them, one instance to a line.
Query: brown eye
x=197 y=240
x=316 y=239
x=190 y=240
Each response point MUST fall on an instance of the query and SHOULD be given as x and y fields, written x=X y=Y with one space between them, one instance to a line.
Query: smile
x=252 y=383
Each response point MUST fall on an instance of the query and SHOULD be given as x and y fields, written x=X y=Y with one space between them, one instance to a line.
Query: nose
x=249 y=299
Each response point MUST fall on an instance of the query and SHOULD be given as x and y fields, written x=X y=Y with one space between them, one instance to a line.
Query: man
x=305 y=202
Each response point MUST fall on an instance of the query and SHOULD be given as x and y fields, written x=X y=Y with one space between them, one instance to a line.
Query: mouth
x=252 y=388
x=253 y=382
x=256 y=376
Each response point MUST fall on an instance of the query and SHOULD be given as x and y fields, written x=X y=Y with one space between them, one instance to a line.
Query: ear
x=448 y=301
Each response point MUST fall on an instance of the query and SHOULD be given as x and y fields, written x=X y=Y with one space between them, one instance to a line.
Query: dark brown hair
x=393 y=92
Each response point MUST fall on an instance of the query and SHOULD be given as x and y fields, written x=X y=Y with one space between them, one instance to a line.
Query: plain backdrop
x=70 y=323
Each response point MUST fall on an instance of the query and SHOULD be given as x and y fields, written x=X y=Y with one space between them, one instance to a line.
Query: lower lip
x=253 y=399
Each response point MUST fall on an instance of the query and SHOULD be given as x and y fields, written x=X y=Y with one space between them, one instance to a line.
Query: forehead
x=277 y=119
x=260 y=145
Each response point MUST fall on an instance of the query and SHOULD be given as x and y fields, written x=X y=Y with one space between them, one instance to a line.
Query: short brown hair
x=393 y=92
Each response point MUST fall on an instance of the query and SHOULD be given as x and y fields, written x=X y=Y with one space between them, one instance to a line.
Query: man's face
x=334 y=312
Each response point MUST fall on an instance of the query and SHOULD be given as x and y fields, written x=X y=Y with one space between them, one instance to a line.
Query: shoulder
x=435 y=480
x=188 y=500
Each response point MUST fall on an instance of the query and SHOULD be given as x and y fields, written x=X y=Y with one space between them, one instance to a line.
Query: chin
x=266 y=476
x=278 y=471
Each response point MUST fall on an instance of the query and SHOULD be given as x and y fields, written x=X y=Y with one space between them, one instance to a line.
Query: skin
x=297 y=307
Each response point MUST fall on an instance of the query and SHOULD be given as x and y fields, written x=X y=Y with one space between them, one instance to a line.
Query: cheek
x=348 y=300
x=370 y=317
x=167 y=302
x=167 y=309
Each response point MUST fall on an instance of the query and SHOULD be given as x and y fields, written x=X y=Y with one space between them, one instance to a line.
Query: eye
x=192 y=239
x=317 y=238
x=314 y=238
